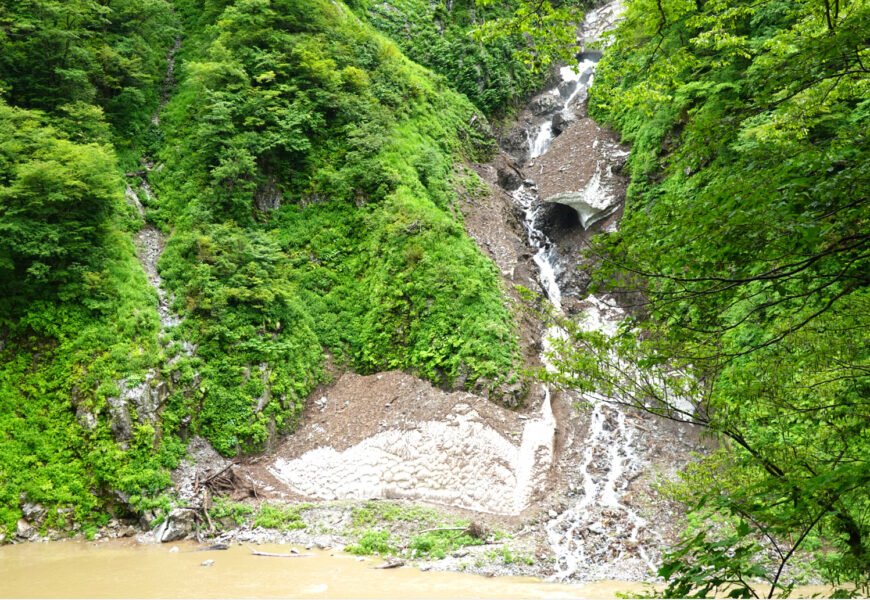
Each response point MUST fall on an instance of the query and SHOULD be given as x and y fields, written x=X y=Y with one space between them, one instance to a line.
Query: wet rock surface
x=178 y=524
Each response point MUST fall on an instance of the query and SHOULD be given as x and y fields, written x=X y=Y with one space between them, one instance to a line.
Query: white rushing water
x=542 y=141
x=600 y=526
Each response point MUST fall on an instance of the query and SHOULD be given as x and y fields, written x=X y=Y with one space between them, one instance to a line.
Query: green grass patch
x=374 y=541
x=280 y=517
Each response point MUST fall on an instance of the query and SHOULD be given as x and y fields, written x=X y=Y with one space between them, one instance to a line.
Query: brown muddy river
x=123 y=569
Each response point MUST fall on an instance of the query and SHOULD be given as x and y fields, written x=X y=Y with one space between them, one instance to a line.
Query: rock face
x=268 y=195
x=578 y=171
x=34 y=512
x=146 y=398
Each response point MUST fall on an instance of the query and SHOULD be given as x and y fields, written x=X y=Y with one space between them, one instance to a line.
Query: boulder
x=516 y=143
x=177 y=525
x=34 y=512
x=509 y=179
x=23 y=529
x=561 y=122
x=545 y=104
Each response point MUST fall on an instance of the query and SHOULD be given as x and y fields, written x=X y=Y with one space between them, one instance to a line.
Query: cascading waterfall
x=542 y=141
x=610 y=460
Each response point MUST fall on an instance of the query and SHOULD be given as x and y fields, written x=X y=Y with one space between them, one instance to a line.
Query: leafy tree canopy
x=744 y=257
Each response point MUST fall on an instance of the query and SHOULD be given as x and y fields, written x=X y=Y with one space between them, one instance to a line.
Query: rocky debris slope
x=398 y=437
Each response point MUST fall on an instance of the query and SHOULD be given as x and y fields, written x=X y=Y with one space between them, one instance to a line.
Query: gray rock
x=553 y=514
x=121 y=425
x=177 y=525
x=86 y=418
x=23 y=529
x=128 y=531
x=206 y=563
x=516 y=143
x=566 y=88
x=146 y=398
x=146 y=519
x=509 y=179
x=545 y=104
x=459 y=553
x=264 y=398
x=34 y=512
x=268 y=195
x=561 y=122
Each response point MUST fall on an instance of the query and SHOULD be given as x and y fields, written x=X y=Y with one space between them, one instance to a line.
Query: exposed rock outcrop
x=146 y=398
x=178 y=525
x=578 y=171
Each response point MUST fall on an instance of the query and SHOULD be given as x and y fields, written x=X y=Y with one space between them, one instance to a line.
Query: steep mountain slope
x=302 y=176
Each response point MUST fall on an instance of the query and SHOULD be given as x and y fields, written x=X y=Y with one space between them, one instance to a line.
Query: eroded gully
x=610 y=460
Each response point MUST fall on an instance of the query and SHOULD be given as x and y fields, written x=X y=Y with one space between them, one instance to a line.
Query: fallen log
x=218 y=473
x=391 y=564
x=273 y=555
x=212 y=547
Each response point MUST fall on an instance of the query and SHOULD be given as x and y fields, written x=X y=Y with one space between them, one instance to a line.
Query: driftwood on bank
x=273 y=555
x=391 y=564
x=212 y=547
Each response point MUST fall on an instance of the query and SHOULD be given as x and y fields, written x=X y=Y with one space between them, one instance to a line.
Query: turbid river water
x=125 y=569
x=119 y=569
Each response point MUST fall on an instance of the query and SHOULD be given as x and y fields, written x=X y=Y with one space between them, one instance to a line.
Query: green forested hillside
x=304 y=172
x=439 y=36
x=746 y=233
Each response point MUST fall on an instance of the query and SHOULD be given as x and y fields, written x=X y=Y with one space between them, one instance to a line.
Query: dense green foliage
x=76 y=315
x=438 y=35
x=746 y=235
x=76 y=312
x=66 y=55
x=305 y=176
x=364 y=256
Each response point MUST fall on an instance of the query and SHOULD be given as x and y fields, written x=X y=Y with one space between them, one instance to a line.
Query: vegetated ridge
x=302 y=172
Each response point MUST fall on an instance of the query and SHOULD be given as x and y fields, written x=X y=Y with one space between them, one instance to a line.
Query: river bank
x=126 y=568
